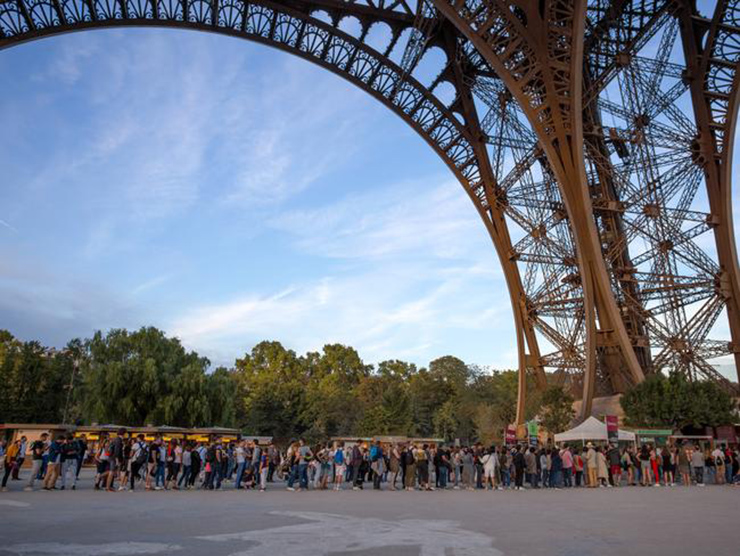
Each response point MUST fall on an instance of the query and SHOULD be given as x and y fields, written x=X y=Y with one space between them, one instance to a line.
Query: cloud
x=8 y=226
x=415 y=271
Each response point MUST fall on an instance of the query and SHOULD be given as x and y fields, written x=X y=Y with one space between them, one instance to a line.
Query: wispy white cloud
x=4 y=224
x=416 y=270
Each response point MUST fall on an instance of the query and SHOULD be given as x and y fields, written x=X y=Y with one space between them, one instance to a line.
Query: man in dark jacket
x=519 y=466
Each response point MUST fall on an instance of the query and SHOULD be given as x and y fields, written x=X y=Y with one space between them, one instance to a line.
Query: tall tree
x=143 y=377
x=675 y=401
x=557 y=410
x=271 y=386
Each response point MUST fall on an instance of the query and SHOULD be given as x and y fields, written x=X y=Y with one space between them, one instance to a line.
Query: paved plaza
x=580 y=522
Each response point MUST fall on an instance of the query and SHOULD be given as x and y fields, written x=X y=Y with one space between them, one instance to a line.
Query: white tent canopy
x=591 y=429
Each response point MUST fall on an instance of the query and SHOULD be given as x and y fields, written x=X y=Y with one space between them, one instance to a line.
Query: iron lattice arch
x=593 y=137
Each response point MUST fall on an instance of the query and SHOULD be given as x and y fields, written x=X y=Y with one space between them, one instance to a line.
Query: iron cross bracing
x=593 y=137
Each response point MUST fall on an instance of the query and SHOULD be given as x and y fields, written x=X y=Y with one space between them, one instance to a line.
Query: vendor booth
x=592 y=430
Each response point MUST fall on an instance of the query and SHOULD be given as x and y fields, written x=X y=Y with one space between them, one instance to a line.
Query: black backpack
x=143 y=454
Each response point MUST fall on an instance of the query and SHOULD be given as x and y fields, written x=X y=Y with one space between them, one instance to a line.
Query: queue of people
x=127 y=462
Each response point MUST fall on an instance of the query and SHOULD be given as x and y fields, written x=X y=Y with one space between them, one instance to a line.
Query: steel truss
x=594 y=138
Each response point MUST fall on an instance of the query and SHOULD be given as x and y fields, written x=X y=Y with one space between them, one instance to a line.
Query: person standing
x=645 y=465
x=264 y=469
x=615 y=465
x=578 y=467
x=490 y=465
x=683 y=458
x=241 y=462
x=409 y=464
x=530 y=467
x=138 y=459
x=304 y=457
x=69 y=462
x=567 y=457
x=339 y=465
x=669 y=466
x=519 y=466
x=377 y=464
x=55 y=455
x=602 y=468
x=115 y=462
x=37 y=454
x=11 y=456
x=718 y=457
x=81 y=452
x=3 y=448
x=20 y=458
x=556 y=469
x=592 y=466
x=394 y=465
x=698 y=464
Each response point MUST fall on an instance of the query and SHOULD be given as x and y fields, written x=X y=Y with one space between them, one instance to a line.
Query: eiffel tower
x=594 y=137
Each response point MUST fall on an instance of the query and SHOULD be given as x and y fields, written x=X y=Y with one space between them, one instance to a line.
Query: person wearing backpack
x=196 y=462
x=37 y=454
x=139 y=457
x=718 y=458
x=339 y=465
x=409 y=466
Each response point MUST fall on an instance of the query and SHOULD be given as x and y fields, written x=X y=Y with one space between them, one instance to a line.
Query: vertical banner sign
x=510 y=434
x=532 y=432
x=612 y=428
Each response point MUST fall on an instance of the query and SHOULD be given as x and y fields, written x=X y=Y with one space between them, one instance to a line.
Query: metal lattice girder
x=594 y=138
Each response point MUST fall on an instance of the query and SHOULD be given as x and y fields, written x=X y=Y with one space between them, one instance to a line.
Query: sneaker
x=291 y=489
x=657 y=485
x=74 y=487
x=28 y=489
x=62 y=487
x=4 y=489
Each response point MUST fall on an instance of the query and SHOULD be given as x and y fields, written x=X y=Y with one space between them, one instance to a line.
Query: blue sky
x=230 y=193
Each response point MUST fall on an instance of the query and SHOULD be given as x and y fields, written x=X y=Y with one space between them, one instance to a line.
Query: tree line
x=143 y=377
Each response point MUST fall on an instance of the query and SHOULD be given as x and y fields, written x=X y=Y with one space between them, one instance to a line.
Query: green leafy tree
x=556 y=412
x=35 y=381
x=446 y=422
x=143 y=377
x=271 y=385
x=674 y=401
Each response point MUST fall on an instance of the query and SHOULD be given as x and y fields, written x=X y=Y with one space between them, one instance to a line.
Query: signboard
x=510 y=434
x=612 y=428
x=532 y=433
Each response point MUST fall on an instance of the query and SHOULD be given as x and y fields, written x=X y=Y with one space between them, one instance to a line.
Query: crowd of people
x=125 y=462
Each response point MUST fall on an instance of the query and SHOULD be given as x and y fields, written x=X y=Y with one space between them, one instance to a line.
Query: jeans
x=568 y=477
x=44 y=465
x=185 y=476
x=80 y=459
x=303 y=474
x=69 y=466
x=263 y=477
x=159 y=474
x=506 y=477
x=35 y=470
x=699 y=475
x=293 y=477
x=239 y=474
x=6 y=475
x=545 y=477
x=555 y=479
x=443 y=471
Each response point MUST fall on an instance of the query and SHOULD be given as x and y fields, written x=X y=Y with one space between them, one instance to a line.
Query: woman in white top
x=490 y=462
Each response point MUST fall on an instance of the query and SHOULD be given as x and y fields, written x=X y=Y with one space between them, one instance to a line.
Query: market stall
x=592 y=430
